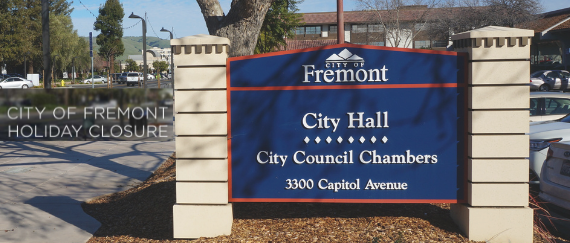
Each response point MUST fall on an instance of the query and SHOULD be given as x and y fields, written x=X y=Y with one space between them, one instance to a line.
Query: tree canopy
x=469 y=15
x=21 y=30
x=131 y=66
x=66 y=44
x=160 y=66
x=279 y=23
x=110 y=23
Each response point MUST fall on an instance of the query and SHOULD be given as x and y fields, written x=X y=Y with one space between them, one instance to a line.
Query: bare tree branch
x=399 y=18
x=241 y=25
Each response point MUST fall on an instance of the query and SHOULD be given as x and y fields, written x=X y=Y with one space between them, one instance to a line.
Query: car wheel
x=24 y=86
x=544 y=87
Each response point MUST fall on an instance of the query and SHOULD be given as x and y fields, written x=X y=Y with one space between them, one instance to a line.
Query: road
x=166 y=83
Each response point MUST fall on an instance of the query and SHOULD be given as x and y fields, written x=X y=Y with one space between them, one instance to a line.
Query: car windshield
x=133 y=75
x=536 y=74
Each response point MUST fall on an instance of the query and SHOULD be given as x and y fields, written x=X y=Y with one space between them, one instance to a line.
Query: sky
x=185 y=18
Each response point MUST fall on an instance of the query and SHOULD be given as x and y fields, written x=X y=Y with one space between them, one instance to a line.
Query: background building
x=550 y=47
x=406 y=29
x=153 y=54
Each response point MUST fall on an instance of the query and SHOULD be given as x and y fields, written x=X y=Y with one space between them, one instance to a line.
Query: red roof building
x=363 y=27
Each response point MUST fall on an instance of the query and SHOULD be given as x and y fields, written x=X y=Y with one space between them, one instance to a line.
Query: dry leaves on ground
x=144 y=214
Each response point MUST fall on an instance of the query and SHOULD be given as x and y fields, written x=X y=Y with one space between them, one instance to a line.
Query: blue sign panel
x=347 y=123
x=91 y=44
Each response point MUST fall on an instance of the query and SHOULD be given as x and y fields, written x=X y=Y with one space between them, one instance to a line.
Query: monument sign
x=347 y=123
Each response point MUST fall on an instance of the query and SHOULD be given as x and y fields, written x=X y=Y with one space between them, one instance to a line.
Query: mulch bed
x=144 y=214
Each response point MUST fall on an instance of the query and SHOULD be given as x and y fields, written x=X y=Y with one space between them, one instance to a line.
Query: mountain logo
x=344 y=56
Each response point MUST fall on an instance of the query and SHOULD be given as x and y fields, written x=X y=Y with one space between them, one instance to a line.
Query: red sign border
x=317 y=200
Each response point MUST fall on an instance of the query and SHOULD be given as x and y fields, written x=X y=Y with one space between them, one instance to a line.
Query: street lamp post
x=133 y=16
x=171 y=57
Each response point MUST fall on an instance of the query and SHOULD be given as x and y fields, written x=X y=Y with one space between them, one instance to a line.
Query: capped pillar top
x=494 y=43
x=200 y=39
x=493 y=32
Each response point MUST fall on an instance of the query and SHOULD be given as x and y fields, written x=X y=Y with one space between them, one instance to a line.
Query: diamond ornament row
x=350 y=139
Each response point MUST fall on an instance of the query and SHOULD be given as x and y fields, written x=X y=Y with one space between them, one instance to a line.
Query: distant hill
x=133 y=45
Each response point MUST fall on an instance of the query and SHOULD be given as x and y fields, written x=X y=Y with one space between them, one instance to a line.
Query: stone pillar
x=498 y=118
x=202 y=208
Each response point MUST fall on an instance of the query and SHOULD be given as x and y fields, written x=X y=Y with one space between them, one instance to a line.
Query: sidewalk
x=42 y=184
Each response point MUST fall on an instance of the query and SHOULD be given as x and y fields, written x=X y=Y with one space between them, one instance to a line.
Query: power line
x=133 y=25
x=112 y=27
x=151 y=26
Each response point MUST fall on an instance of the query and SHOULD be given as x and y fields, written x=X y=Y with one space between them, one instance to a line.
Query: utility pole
x=45 y=44
x=340 y=21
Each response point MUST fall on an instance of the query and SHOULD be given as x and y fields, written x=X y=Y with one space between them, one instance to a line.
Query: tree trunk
x=241 y=25
x=30 y=66
x=112 y=64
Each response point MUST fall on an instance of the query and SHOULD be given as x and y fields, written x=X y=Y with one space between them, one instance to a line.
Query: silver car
x=16 y=83
x=96 y=79
x=555 y=177
x=546 y=80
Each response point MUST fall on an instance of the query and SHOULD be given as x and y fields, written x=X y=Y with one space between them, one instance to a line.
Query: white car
x=96 y=79
x=542 y=135
x=149 y=76
x=546 y=106
x=555 y=177
x=131 y=78
x=16 y=83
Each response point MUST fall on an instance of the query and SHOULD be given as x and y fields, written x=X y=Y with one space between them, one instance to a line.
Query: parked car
x=16 y=83
x=545 y=106
x=555 y=177
x=131 y=79
x=96 y=79
x=115 y=77
x=542 y=135
x=546 y=80
x=122 y=78
x=149 y=76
